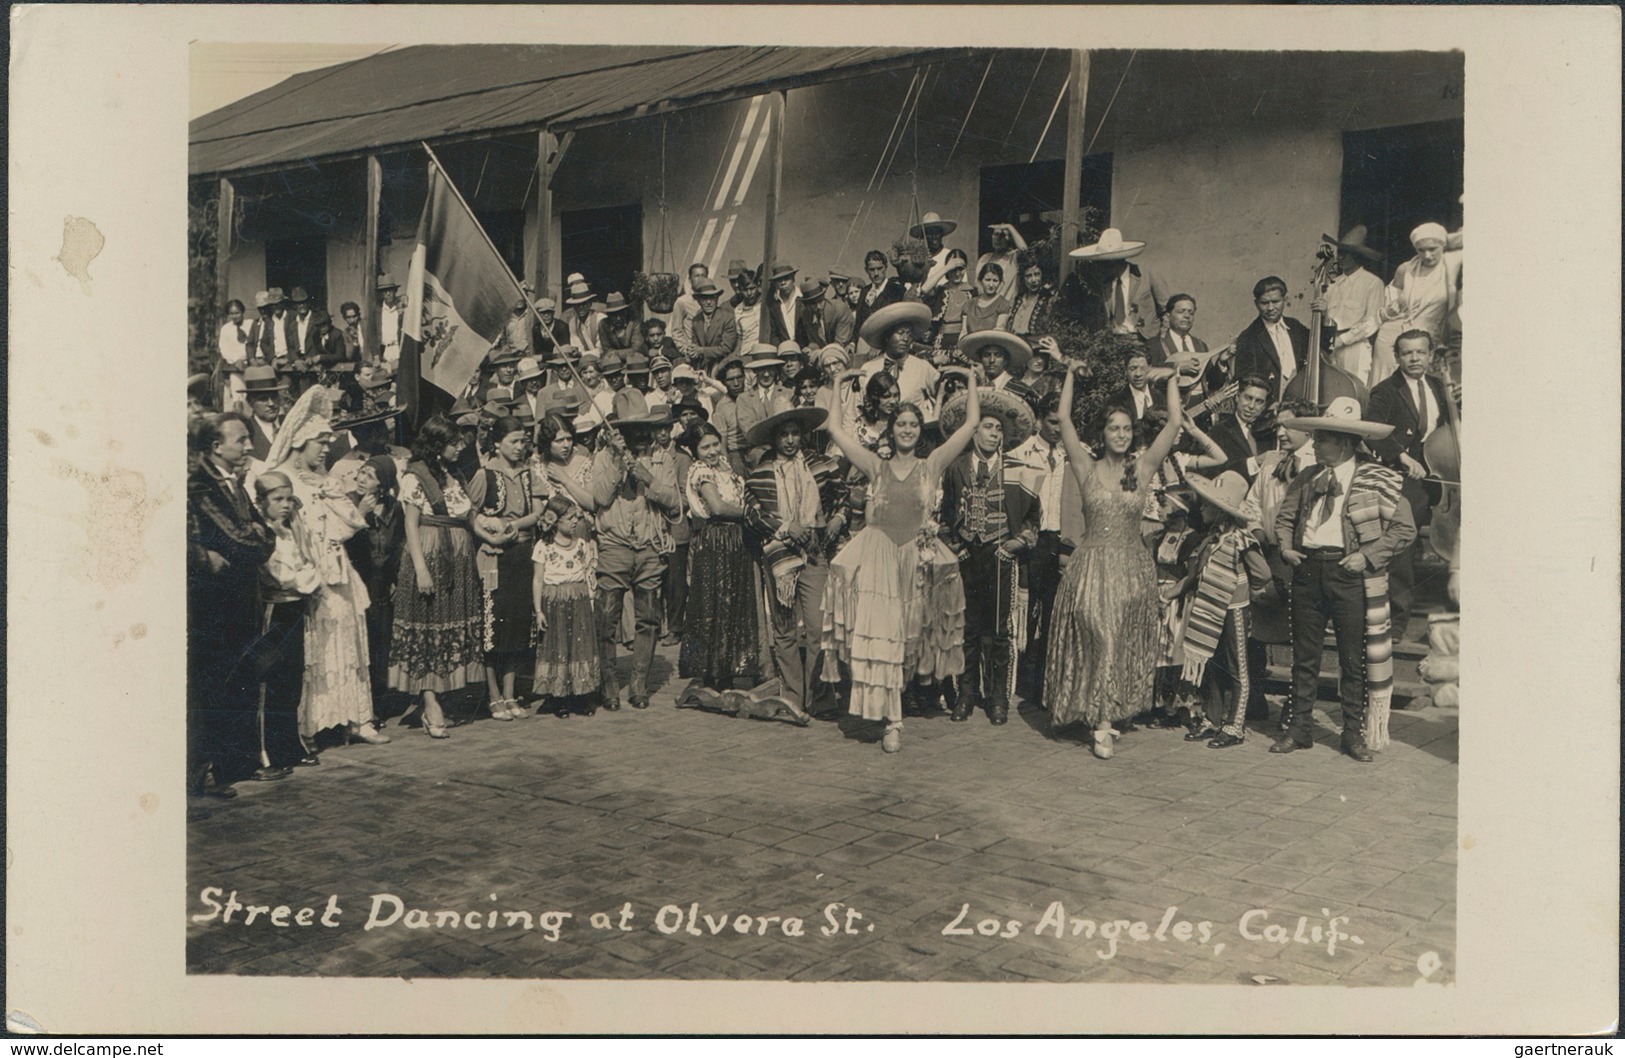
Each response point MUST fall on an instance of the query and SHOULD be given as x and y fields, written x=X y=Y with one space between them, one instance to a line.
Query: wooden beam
x=775 y=183
x=225 y=210
x=371 y=327
x=1072 y=184
x=550 y=151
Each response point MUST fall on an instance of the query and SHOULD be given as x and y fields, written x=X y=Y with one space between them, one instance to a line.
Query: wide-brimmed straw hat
x=616 y=302
x=932 y=222
x=529 y=368
x=1016 y=349
x=764 y=432
x=1228 y=491
x=1354 y=243
x=1016 y=413
x=580 y=294
x=1111 y=247
x=1343 y=416
x=763 y=354
x=883 y=320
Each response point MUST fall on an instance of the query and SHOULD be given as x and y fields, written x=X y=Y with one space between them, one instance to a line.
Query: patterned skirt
x=567 y=657
x=1104 y=637
x=507 y=618
x=437 y=643
x=338 y=687
x=721 y=633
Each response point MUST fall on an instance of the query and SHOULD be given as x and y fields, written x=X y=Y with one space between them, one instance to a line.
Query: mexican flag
x=460 y=294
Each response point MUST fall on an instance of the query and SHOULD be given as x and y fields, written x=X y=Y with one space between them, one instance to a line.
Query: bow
x=1327 y=488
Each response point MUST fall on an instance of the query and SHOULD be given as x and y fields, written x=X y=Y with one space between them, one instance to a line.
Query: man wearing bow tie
x=1339 y=528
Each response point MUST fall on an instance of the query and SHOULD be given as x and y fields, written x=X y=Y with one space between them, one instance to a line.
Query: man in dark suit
x=812 y=332
x=1137 y=398
x=547 y=331
x=1178 y=340
x=1238 y=432
x=264 y=392
x=227 y=543
x=1412 y=402
x=1274 y=347
x=990 y=519
x=879 y=292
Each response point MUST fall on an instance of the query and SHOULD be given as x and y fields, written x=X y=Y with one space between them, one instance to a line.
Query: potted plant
x=910 y=258
x=657 y=290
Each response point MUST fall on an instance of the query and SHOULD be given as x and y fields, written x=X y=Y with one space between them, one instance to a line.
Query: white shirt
x=1182 y=342
x=302 y=325
x=389 y=331
x=1328 y=532
x=682 y=322
x=1354 y=305
x=1142 y=400
x=1283 y=349
x=917 y=380
x=1050 y=461
x=1426 y=409
x=279 y=336
x=749 y=319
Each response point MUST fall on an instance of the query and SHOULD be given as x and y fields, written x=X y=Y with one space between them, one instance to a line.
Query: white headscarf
x=1430 y=230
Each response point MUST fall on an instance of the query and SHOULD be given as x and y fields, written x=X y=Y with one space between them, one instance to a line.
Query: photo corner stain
x=82 y=241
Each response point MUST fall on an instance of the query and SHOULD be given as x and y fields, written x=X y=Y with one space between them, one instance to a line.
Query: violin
x=1322 y=381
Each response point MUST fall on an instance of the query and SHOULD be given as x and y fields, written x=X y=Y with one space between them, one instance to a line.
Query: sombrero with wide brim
x=1111 y=247
x=1343 y=416
x=932 y=222
x=1227 y=492
x=368 y=417
x=1016 y=349
x=883 y=320
x=1354 y=243
x=1016 y=413
x=763 y=432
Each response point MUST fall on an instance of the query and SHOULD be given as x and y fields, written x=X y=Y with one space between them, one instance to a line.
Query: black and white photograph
x=895 y=510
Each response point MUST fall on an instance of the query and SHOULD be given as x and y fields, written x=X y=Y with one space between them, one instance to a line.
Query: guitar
x=1219 y=401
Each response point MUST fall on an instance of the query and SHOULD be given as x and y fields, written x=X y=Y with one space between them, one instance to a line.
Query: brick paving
x=670 y=808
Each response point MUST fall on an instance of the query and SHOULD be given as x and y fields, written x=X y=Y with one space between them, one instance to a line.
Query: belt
x=1326 y=554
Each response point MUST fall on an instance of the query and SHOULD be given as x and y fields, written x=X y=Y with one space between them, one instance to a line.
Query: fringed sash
x=1373 y=502
x=1216 y=585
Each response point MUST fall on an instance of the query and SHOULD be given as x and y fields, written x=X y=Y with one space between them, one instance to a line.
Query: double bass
x=1322 y=381
x=1441 y=452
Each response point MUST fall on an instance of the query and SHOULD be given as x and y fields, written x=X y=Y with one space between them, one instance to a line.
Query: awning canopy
x=431 y=92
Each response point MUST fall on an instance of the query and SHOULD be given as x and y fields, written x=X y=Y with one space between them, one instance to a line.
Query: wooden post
x=550 y=151
x=1072 y=185
x=371 y=327
x=225 y=218
x=770 y=230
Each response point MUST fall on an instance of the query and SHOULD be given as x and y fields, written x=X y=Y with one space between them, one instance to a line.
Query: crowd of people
x=833 y=494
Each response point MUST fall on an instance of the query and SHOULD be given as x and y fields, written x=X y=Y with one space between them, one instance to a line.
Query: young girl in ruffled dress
x=564 y=591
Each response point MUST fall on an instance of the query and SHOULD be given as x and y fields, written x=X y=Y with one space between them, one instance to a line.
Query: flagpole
x=518 y=287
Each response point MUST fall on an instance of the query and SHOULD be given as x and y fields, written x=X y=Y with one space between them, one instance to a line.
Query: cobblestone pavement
x=1236 y=861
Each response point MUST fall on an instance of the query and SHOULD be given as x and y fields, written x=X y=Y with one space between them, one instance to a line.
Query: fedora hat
x=1018 y=353
x=813 y=287
x=262 y=299
x=573 y=278
x=707 y=289
x=1343 y=416
x=883 y=320
x=1110 y=247
x=638 y=364
x=522 y=411
x=580 y=294
x=790 y=347
x=1354 y=242
x=782 y=270
x=567 y=401
x=378 y=377
x=611 y=364
x=616 y=302
x=631 y=409
x=561 y=355
x=764 y=354
x=275 y=296
x=685 y=373
x=387 y=282
x=506 y=356
x=1016 y=414
x=736 y=265
x=763 y=432
x=582 y=425
x=690 y=404
x=1228 y=492
x=261 y=378
x=932 y=222
x=529 y=368
x=299 y=295
x=838 y=276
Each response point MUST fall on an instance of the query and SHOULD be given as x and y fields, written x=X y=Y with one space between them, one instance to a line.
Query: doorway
x=1029 y=196
x=605 y=245
x=300 y=262
x=1396 y=178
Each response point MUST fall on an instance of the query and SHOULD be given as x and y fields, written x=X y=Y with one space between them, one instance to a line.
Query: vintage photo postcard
x=680 y=516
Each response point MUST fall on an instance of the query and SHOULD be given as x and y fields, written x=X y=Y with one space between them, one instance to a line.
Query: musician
x=1413 y=403
x=1274 y=347
x=1180 y=316
x=1351 y=308
x=1136 y=398
x=1339 y=527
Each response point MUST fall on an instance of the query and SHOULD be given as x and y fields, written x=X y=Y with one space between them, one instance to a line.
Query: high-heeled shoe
x=1103 y=743
x=435 y=728
x=369 y=734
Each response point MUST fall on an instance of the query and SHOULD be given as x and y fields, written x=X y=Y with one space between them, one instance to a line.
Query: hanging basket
x=657 y=291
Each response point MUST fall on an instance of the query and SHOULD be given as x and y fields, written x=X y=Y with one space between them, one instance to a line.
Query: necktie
x=1120 y=302
x=1185 y=343
x=1422 y=405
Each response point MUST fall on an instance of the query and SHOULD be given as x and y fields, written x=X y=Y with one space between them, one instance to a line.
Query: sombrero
x=369 y=414
x=1111 y=247
x=1354 y=242
x=882 y=320
x=631 y=409
x=1227 y=492
x=1019 y=352
x=932 y=222
x=1016 y=413
x=1343 y=416
x=763 y=432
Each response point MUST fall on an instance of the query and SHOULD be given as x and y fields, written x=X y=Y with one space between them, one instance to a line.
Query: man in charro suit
x=990 y=520
x=1413 y=403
